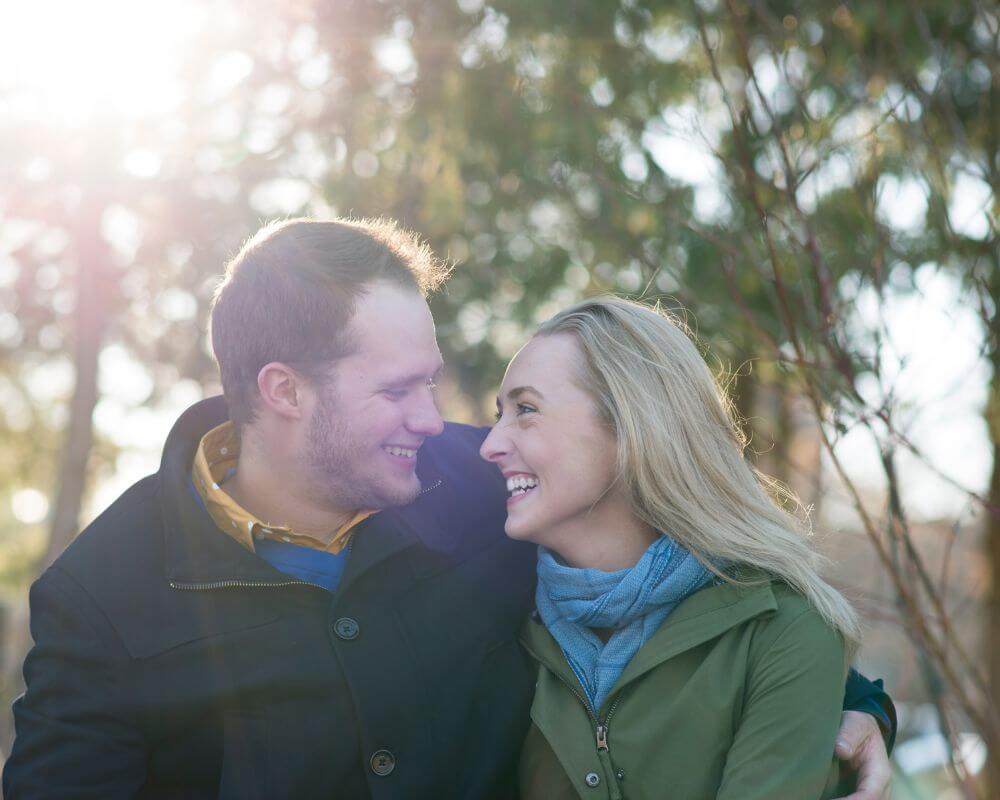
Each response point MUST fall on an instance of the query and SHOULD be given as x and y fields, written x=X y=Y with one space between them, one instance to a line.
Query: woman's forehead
x=551 y=359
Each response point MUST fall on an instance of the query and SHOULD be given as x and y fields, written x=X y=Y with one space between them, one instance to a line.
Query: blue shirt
x=304 y=563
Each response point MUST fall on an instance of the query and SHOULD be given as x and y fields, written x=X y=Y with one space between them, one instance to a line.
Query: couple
x=315 y=597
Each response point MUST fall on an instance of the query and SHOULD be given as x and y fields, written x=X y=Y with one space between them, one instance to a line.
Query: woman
x=687 y=646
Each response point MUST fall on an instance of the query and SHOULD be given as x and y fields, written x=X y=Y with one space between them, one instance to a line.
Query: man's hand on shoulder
x=860 y=744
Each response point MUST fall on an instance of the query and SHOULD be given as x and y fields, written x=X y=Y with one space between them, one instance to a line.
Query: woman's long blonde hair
x=680 y=452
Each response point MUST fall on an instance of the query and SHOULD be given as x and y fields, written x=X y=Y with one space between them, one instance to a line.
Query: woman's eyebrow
x=517 y=391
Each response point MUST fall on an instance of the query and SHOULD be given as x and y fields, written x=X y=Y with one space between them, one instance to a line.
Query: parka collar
x=198 y=553
x=705 y=615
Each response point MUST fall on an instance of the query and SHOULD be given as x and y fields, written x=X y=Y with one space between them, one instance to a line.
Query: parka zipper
x=600 y=728
x=600 y=732
x=234 y=583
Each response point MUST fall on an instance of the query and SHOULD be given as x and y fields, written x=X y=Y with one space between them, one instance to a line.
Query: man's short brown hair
x=289 y=295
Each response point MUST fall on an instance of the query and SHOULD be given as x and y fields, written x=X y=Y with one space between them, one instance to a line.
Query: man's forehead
x=383 y=303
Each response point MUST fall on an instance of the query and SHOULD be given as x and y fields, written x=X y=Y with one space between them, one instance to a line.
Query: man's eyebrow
x=414 y=377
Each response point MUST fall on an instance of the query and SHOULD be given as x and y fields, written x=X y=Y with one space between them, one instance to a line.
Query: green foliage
x=534 y=143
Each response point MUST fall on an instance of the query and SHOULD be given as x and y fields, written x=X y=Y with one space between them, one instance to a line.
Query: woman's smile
x=557 y=455
x=519 y=486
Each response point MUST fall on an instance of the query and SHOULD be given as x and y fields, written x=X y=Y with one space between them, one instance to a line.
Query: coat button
x=347 y=629
x=592 y=779
x=382 y=762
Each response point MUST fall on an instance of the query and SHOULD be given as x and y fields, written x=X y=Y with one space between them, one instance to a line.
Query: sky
x=934 y=368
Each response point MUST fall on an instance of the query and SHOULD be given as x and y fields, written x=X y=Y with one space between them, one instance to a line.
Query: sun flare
x=64 y=61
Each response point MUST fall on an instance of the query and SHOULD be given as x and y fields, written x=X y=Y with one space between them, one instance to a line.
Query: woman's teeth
x=521 y=485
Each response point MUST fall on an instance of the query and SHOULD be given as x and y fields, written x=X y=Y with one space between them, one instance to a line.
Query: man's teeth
x=400 y=451
x=521 y=484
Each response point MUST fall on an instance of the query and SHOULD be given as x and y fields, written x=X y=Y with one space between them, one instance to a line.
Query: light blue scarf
x=634 y=602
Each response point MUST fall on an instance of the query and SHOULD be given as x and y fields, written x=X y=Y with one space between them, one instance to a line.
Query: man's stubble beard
x=339 y=473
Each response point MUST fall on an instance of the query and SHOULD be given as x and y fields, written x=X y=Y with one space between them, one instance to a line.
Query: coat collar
x=197 y=552
x=705 y=615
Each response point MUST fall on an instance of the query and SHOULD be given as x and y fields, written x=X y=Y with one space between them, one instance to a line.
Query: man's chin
x=401 y=495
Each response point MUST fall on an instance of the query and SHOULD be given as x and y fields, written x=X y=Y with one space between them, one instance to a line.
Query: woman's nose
x=494 y=445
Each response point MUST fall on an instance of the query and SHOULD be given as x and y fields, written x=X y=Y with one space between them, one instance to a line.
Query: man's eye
x=524 y=408
x=394 y=394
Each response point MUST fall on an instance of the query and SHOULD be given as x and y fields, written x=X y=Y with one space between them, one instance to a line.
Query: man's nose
x=425 y=418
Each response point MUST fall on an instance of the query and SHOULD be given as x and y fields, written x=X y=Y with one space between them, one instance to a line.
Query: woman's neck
x=608 y=545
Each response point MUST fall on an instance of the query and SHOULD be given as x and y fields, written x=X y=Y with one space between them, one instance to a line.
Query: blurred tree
x=768 y=165
x=765 y=165
x=112 y=236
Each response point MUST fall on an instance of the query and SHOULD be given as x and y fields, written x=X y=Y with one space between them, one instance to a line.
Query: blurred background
x=818 y=185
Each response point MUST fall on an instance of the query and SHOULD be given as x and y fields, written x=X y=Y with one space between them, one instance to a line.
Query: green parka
x=737 y=697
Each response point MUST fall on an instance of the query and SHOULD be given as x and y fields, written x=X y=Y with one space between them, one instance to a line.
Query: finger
x=867 y=795
x=873 y=785
x=856 y=728
x=873 y=772
x=874 y=791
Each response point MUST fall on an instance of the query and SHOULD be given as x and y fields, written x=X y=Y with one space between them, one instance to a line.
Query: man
x=313 y=597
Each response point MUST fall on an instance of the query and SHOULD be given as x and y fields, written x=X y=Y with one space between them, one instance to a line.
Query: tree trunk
x=744 y=392
x=803 y=451
x=784 y=433
x=993 y=539
x=90 y=324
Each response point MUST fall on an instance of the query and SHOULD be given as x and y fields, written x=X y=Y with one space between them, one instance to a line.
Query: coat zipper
x=601 y=729
x=233 y=583
x=434 y=485
x=230 y=584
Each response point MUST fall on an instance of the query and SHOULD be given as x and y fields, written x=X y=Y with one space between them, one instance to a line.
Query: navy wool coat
x=171 y=662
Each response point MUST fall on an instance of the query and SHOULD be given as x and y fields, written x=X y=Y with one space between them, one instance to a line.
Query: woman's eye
x=520 y=409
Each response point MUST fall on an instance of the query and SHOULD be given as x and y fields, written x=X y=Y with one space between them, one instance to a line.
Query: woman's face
x=556 y=454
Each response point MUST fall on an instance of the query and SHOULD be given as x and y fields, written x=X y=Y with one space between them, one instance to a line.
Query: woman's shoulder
x=789 y=611
x=795 y=629
x=789 y=603
x=792 y=604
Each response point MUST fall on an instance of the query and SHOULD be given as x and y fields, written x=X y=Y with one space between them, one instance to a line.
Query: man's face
x=370 y=419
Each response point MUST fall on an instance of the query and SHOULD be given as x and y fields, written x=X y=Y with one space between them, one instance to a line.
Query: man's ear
x=283 y=390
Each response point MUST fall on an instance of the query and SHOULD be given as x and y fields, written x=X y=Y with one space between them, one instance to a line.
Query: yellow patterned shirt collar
x=214 y=462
